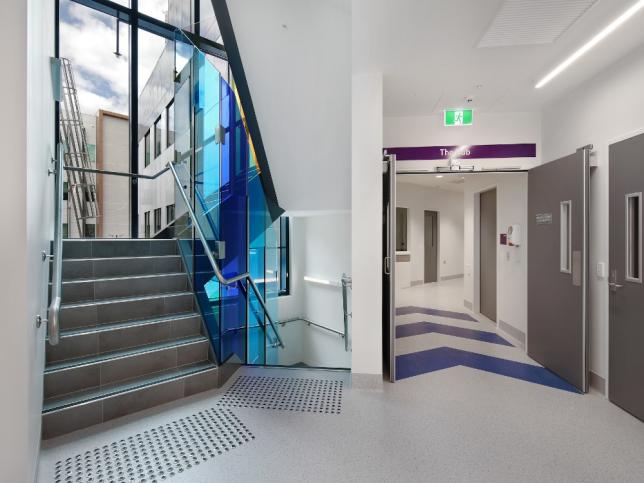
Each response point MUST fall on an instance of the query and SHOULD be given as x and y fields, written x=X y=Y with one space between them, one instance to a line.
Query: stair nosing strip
x=202 y=367
x=123 y=277
x=127 y=324
x=145 y=257
x=124 y=299
x=134 y=351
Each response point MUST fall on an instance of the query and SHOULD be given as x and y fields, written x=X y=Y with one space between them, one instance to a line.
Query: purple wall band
x=476 y=151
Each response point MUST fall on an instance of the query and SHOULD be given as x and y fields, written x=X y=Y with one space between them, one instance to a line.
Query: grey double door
x=558 y=266
x=626 y=293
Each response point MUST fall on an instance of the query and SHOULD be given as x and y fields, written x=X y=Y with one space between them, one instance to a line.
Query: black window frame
x=157 y=220
x=169 y=136
x=158 y=145
x=131 y=16
x=146 y=224
x=284 y=250
x=169 y=213
x=147 y=150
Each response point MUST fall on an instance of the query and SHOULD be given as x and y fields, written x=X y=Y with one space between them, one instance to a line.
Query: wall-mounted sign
x=475 y=151
x=544 y=218
x=458 y=117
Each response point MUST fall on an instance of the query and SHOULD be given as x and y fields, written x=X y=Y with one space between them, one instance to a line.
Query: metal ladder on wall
x=81 y=190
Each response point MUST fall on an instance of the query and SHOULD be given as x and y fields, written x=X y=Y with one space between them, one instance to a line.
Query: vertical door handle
x=613 y=285
x=387 y=266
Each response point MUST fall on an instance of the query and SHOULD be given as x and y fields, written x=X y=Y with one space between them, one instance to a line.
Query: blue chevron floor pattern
x=418 y=328
x=423 y=362
x=412 y=309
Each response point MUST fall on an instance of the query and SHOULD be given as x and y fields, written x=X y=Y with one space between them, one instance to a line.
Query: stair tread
x=122 y=277
x=107 y=356
x=126 y=299
x=61 y=402
x=124 y=325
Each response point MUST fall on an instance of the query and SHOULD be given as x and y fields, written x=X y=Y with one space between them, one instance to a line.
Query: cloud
x=88 y=40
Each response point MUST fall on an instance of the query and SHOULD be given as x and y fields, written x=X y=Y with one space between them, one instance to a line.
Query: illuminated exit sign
x=458 y=117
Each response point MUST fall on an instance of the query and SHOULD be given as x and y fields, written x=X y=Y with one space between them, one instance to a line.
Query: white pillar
x=366 y=229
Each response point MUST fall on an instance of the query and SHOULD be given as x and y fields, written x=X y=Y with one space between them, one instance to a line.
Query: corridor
x=434 y=332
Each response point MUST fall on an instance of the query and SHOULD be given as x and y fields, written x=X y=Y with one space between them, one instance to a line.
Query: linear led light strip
x=609 y=29
x=321 y=281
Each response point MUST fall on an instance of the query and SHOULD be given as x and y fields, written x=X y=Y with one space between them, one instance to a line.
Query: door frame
x=389 y=242
x=476 y=256
x=476 y=265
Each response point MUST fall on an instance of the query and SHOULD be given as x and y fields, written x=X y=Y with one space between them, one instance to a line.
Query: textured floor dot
x=285 y=394
x=149 y=455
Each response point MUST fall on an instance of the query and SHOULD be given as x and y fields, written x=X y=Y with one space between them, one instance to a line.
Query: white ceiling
x=427 y=51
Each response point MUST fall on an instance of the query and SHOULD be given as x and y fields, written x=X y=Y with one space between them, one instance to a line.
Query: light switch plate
x=601 y=270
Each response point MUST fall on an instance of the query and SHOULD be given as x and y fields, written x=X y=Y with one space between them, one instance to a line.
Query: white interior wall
x=366 y=225
x=512 y=262
x=319 y=249
x=297 y=59
x=449 y=204
x=599 y=112
x=27 y=130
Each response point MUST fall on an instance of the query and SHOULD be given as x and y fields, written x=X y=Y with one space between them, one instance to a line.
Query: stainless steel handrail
x=226 y=281
x=118 y=173
x=53 y=313
x=346 y=282
x=310 y=322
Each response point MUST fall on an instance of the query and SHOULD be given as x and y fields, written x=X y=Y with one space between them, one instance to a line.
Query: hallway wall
x=606 y=109
x=512 y=262
x=27 y=130
x=319 y=250
x=449 y=204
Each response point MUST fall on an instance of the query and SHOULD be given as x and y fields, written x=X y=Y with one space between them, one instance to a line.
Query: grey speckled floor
x=454 y=425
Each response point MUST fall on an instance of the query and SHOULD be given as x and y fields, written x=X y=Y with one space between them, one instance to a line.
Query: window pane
x=94 y=116
x=565 y=245
x=633 y=237
x=170 y=125
x=157 y=138
x=177 y=13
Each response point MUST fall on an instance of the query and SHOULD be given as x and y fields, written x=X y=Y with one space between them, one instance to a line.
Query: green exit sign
x=458 y=117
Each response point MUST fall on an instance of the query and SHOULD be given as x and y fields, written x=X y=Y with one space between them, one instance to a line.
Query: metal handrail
x=310 y=322
x=53 y=312
x=118 y=173
x=226 y=281
x=347 y=283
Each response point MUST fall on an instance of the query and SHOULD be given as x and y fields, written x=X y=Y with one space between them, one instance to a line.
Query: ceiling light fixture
x=439 y=175
x=605 y=32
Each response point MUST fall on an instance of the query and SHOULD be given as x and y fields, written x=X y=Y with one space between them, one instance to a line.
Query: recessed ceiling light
x=439 y=175
x=605 y=32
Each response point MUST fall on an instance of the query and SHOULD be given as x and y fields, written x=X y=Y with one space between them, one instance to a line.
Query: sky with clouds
x=88 y=40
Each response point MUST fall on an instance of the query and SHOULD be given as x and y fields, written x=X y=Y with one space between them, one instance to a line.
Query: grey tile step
x=87 y=268
x=117 y=247
x=54 y=404
x=81 y=410
x=85 y=373
x=90 y=314
x=87 y=341
x=122 y=286
x=97 y=359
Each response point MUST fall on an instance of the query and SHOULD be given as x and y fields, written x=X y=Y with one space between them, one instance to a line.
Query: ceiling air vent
x=533 y=22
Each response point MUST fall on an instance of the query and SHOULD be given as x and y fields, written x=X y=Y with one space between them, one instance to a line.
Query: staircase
x=131 y=336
